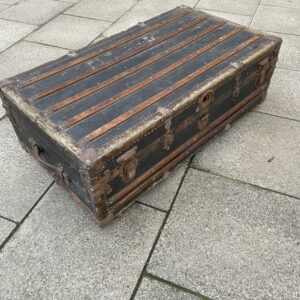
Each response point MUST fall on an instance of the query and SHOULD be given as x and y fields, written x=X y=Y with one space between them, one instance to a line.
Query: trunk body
x=110 y=120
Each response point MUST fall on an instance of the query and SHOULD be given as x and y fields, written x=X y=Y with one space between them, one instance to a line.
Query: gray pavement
x=223 y=225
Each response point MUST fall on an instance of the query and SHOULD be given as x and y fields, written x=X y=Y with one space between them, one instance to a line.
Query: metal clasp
x=204 y=102
x=128 y=164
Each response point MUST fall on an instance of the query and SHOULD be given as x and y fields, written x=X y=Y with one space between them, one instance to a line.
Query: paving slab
x=162 y=194
x=6 y=228
x=151 y=289
x=277 y=19
x=228 y=240
x=61 y=253
x=106 y=10
x=283 y=95
x=282 y=3
x=3 y=6
x=289 y=55
x=11 y=32
x=71 y=1
x=143 y=11
x=26 y=55
x=259 y=149
x=239 y=19
x=22 y=180
x=242 y=7
x=34 y=11
x=10 y=2
x=77 y=32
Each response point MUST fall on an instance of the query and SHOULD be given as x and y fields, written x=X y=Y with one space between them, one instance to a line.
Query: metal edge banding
x=141 y=154
x=16 y=80
x=171 y=160
x=134 y=69
x=43 y=123
x=115 y=147
x=104 y=104
x=108 y=48
x=114 y=61
x=122 y=118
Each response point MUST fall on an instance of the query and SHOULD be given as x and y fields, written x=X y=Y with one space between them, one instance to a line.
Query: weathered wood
x=109 y=120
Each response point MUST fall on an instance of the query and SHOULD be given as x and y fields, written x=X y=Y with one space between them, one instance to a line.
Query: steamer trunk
x=110 y=120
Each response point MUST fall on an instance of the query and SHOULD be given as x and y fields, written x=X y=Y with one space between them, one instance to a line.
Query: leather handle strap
x=56 y=170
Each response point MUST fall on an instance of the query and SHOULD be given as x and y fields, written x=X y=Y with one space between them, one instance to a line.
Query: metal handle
x=55 y=170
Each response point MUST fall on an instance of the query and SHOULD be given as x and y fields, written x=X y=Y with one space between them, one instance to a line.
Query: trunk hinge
x=237 y=86
x=263 y=68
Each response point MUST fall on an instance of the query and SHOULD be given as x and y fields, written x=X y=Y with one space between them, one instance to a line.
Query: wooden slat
x=157 y=171
x=93 y=54
x=125 y=116
x=133 y=70
x=156 y=76
x=115 y=61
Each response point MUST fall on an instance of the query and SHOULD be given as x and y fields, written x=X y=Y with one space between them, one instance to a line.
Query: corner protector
x=107 y=220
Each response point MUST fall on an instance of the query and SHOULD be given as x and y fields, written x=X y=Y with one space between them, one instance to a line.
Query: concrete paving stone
x=283 y=95
x=99 y=38
x=242 y=7
x=59 y=252
x=162 y=194
x=11 y=32
x=143 y=11
x=106 y=10
x=277 y=19
x=259 y=149
x=282 y=3
x=289 y=55
x=71 y=1
x=77 y=32
x=22 y=180
x=3 y=6
x=9 y=2
x=239 y=19
x=26 y=55
x=228 y=240
x=151 y=289
x=34 y=11
x=6 y=228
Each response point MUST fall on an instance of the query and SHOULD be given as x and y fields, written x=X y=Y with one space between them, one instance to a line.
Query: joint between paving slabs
x=254 y=13
x=160 y=230
x=3 y=117
x=276 y=116
x=112 y=23
x=211 y=11
x=89 y=18
x=177 y=286
x=7 y=219
x=151 y=206
x=244 y=182
x=25 y=217
x=37 y=27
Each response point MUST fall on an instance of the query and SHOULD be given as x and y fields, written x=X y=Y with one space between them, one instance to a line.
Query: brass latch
x=204 y=102
x=128 y=164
